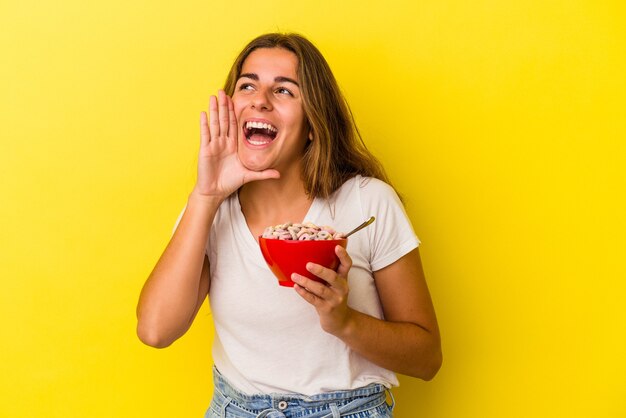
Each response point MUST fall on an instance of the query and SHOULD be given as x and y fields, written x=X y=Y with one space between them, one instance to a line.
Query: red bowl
x=285 y=257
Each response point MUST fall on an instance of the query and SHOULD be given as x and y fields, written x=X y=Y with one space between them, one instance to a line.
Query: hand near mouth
x=220 y=173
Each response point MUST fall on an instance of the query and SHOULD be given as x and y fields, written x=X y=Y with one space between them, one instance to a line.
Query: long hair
x=336 y=152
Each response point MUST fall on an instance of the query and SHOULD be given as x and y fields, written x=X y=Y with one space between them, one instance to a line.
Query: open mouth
x=259 y=133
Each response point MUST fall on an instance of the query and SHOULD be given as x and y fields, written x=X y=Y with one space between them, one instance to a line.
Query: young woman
x=279 y=144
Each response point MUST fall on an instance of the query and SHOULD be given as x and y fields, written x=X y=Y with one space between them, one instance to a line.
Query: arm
x=407 y=341
x=180 y=282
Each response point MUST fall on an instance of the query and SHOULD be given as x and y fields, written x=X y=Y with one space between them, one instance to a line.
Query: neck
x=269 y=196
x=274 y=201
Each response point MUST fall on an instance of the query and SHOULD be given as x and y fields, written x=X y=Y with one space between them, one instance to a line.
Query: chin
x=254 y=164
x=254 y=167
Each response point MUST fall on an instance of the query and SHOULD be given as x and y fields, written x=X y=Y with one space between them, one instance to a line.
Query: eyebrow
x=279 y=79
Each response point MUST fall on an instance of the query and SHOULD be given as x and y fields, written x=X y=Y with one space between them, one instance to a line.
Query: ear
x=310 y=135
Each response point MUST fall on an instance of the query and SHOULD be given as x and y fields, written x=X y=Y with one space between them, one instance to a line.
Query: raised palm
x=220 y=172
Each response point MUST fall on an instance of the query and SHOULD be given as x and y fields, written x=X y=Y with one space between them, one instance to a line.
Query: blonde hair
x=337 y=151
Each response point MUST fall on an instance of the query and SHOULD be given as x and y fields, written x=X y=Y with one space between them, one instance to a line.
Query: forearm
x=170 y=297
x=407 y=341
x=402 y=347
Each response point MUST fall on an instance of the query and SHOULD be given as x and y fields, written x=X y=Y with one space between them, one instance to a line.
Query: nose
x=261 y=101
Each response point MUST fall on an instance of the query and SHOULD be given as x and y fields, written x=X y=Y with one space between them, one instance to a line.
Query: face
x=268 y=105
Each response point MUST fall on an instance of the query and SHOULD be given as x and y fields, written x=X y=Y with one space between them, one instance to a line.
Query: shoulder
x=367 y=191
x=374 y=186
x=365 y=197
x=366 y=186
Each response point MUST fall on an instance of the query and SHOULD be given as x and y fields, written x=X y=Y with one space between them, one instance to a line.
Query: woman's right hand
x=220 y=173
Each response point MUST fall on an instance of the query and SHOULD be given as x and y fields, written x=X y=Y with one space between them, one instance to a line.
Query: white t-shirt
x=268 y=339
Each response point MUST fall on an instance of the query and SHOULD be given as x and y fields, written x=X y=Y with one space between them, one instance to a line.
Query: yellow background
x=501 y=122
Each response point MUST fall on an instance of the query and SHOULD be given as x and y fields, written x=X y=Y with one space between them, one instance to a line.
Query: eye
x=284 y=90
x=246 y=86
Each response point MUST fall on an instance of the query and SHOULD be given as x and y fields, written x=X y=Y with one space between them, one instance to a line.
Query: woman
x=285 y=148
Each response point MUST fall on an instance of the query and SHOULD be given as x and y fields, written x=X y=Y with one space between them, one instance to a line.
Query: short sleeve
x=391 y=236
x=180 y=216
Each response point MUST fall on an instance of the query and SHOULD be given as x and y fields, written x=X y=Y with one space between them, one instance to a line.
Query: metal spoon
x=358 y=228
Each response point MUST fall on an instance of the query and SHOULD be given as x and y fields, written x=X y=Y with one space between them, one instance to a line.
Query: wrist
x=203 y=207
x=347 y=329
x=199 y=199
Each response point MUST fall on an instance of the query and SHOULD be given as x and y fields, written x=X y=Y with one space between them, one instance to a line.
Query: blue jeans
x=366 y=402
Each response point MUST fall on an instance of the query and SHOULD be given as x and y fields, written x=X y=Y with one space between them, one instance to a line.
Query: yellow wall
x=502 y=122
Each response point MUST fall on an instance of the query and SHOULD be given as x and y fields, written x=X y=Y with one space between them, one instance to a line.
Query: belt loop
x=393 y=400
x=335 y=410
x=227 y=401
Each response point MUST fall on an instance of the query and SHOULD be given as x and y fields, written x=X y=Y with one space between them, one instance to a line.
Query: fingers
x=334 y=283
x=233 y=129
x=336 y=286
x=305 y=294
x=316 y=293
x=316 y=288
x=345 y=262
x=330 y=276
x=214 y=124
x=205 y=137
x=222 y=120
x=330 y=301
x=223 y=116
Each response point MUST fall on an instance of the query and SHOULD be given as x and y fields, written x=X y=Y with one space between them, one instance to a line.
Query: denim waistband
x=278 y=405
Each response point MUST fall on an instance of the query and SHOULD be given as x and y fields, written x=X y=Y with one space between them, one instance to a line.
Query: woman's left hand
x=330 y=299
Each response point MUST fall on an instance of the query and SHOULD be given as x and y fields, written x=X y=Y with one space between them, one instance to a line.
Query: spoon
x=358 y=228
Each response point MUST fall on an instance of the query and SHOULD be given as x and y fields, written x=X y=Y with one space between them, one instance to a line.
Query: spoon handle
x=358 y=228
